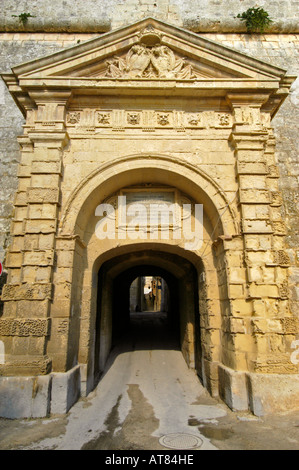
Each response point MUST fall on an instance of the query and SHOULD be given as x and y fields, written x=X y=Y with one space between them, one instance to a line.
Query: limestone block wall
x=57 y=25
x=103 y=15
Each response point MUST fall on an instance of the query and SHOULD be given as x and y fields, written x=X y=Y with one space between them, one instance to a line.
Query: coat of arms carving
x=149 y=59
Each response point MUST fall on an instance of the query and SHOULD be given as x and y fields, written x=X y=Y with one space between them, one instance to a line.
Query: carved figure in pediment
x=163 y=60
x=149 y=61
x=166 y=64
x=138 y=59
x=116 y=67
x=183 y=70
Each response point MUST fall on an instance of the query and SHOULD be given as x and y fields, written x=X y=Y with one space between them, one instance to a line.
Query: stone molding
x=102 y=24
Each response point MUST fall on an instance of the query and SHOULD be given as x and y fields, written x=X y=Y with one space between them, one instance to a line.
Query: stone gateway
x=156 y=113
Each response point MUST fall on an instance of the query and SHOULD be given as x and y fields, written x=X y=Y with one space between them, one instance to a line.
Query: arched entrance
x=113 y=306
x=196 y=278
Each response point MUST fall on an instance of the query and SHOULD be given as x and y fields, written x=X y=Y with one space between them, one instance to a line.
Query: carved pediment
x=150 y=57
x=143 y=61
x=148 y=51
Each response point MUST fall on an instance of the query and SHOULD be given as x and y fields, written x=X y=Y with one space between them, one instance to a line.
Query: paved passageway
x=146 y=392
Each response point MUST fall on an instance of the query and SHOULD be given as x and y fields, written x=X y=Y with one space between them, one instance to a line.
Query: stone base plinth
x=25 y=397
x=273 y=393
x=262 y=394
x=233 y=388
x=38 y=397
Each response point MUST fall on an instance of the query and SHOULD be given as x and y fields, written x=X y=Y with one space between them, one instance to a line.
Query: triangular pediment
x=149 y=49
x=149 y=57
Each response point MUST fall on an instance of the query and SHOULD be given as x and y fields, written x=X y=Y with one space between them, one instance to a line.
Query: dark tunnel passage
x=175 y=327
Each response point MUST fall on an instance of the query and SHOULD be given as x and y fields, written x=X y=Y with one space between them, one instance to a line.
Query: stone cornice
x=10 y=24
x=268 y=92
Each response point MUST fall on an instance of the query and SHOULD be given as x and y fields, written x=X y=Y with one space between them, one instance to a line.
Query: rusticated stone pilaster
x=30 y=259
x=262 y=226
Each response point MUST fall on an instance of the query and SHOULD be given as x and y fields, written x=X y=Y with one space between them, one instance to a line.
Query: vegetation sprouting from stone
x=23 y=17
x=256 y=19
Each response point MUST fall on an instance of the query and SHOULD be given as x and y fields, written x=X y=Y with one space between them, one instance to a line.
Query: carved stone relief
x=163 y=119
x=119 y=119
x=133 y=118
x=284 y=290
x=24 y=327
x=73 y=118
x=282 y=258
x=143 y=61
x=62 y=328
x=194 y=119
x=103 y=118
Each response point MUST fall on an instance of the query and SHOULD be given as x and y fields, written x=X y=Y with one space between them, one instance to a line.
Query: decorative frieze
x=73 y=118
x=133 y=118
x=118 y=119
x=104 y=118
x=163 y=119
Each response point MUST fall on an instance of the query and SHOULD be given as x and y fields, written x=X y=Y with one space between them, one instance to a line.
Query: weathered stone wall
x=103 y=15
x=58 y=25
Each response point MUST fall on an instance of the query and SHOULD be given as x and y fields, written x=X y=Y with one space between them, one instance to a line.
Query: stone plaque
x=152 y=201
x=156 y=208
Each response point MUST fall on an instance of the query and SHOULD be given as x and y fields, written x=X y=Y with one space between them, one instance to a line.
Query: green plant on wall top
x=23 y=17
x=256 y=19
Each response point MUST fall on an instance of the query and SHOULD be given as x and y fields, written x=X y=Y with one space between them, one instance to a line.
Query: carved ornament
x=149 y=59
x=24 y=327
x=119 y=119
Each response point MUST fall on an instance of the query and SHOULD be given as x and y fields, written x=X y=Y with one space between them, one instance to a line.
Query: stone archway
x=91 y=253
x=115 y=277
x=141 y=169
